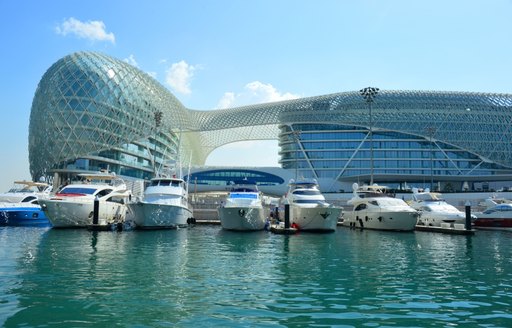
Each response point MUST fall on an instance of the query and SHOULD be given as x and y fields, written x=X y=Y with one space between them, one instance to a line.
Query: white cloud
x=254 y=92
x=179 y=75
x=92 y=30
x=131 y=60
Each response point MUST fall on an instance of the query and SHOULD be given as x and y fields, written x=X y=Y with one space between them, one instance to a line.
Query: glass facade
x=223 y=177
x=91 y=111
x=344 y=153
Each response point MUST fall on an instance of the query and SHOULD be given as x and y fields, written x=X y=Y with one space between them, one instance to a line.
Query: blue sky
x=213 y=54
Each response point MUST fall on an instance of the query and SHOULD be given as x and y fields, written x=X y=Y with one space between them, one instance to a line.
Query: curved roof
x=88 y=102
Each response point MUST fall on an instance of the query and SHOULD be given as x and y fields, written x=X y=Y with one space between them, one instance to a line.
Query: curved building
x=91 y=111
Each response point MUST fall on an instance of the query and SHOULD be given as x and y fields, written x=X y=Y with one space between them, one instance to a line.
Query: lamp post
x=431 y=131
x=368 y=94
x=158 y=122
x=296 y=138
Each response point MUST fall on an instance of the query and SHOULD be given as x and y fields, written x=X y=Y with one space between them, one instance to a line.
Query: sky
x=228 y=53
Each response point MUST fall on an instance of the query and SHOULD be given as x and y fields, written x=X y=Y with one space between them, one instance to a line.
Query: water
x=204 y=276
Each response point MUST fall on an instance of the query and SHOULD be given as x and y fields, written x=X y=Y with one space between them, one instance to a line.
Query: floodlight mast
x=368 y=94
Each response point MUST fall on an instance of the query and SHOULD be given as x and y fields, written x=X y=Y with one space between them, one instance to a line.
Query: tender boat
x=435 y=211
x=308 y=209
x=164 y=205
x=497 y=216
x=24 y=214
x=20 y=206
x=73 y=205
x=374 y=208
x=243 y=209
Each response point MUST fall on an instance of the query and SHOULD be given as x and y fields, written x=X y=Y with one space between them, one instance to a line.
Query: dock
x=457 y=229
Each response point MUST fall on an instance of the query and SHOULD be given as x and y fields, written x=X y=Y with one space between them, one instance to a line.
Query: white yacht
x=435 y=211
x=373 y=208
x=25 y=191
x=164 y=205
x=243 y=209
x=308 y=209
x=73 y=205
x=497 y=215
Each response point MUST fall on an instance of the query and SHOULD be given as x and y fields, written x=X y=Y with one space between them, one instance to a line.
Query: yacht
x=25 y=191
x=164 y=205
x=243 y=209
x=497 y=215
x=374 y=208
x=308 y=209
x=23 y=214
x=435 y=211
x=20 y=205
x=73 y=205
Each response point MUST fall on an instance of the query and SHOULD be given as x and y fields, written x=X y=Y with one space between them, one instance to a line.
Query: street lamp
x=295 y=135
x=158 y=121
x=431 y=131
x=368 y=94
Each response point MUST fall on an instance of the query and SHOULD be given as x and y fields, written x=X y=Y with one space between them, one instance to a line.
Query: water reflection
x=205 y=276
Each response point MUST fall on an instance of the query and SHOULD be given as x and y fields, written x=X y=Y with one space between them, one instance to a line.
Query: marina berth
x=434 y=211
x=73 y=206
x=374 y=208
x=308 y=209
x=164 y=205
x=243 y=209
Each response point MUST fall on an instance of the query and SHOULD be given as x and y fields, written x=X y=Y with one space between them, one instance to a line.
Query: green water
x=207 y=277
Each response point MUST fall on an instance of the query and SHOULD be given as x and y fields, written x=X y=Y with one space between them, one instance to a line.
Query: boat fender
x=295 y=226
x=366 y=218
x=361 y=223
x=241 y=213
x=380 y=218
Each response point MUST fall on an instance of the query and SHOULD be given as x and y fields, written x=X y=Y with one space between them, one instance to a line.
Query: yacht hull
x=435 y=220
x=160 y=216
x=242 y=218
x=69 y=214
x=24 y=217
x=315 y=218
x=393 y=221
x=493 y=223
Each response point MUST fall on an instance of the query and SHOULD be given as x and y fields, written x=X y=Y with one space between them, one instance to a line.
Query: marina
x=206 y=276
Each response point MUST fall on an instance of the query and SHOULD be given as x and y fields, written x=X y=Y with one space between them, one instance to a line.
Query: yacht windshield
x=309 y=201
x=77 y=190
x=306 y=192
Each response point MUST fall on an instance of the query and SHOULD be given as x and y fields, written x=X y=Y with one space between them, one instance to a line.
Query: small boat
x=23 y=214
x=497 y=216
x=374 y=208
x=20 y=205
x=308 y=209
x=164 y=205
x=435 y=211
x=243 y=209
x=73 y=205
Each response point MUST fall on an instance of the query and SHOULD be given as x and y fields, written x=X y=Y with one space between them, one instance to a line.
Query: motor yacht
x=243 y=209
x=374 y=208
x=434 y=211
x=20 y=205
x=497 y=215
x=25 y=191
x=308 y=209
x=73 y=205
x=164 y=205
x=23 y=214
